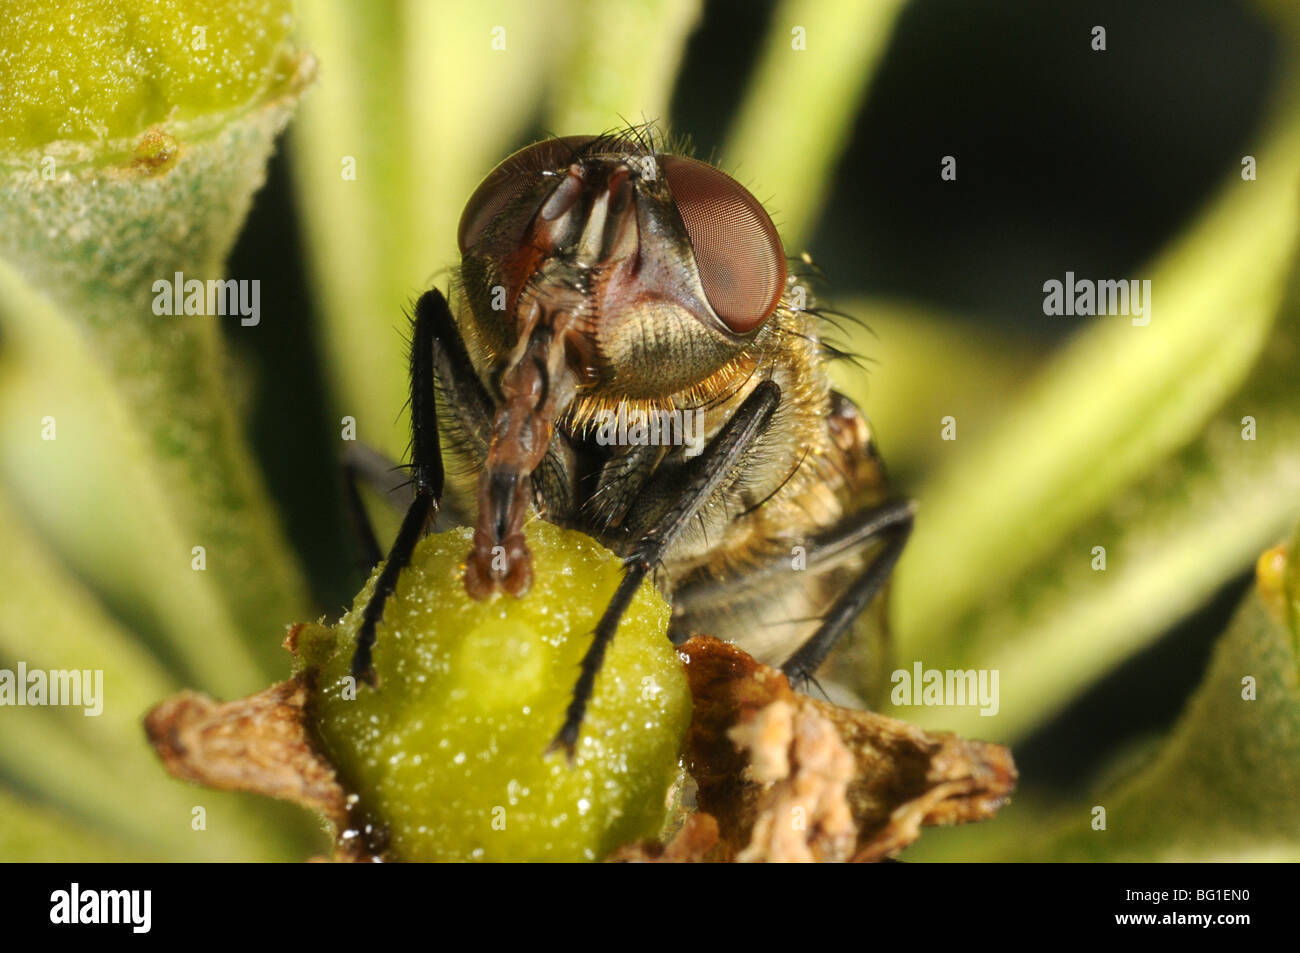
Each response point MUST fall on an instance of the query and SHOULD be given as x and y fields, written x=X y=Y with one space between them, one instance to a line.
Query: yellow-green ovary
x=448 y=753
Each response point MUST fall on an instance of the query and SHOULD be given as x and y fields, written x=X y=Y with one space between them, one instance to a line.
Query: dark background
x=1068 y=159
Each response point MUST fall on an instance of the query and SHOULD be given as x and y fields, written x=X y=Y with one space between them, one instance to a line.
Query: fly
x=608 y=278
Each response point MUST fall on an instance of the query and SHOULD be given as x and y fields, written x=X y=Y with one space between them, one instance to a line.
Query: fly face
x=649 y=250
x=594 y=269
x=598 y=275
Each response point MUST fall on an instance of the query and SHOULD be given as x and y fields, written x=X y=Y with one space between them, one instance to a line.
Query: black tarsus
x=707 y=472
x=432 y=322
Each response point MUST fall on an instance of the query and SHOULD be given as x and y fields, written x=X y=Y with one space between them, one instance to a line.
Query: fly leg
x=433 y=323
x=365 y=465
x=703 y=477
x=362 y=465
x=893 y=521
x=825 y=551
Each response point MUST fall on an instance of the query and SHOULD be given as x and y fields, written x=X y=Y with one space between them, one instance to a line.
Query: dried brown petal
x=258 y=744
x=891 y=777
x=803 y=812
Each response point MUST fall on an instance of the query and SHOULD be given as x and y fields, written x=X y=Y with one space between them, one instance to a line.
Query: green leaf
x=98 y=768
x=813 y=74
x=1220 y=786
x=89 y=227
x=132 y=137
x=1223 y=787
x=32 y=833
x=1291 y=589
x=385 y=157
x=1119 y=399
x=135 y=549
x=1170 y=540
x=910 y=375
x=621 y=61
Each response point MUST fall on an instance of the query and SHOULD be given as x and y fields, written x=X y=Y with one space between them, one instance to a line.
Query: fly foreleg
x=433 y=323
x=705 y=475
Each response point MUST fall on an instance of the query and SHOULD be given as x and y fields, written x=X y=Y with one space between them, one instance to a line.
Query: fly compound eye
x=511 y=179
x=738 y=253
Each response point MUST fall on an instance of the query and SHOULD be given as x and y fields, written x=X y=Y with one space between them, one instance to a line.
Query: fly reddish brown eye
x=738 y=252
x=509 y=180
